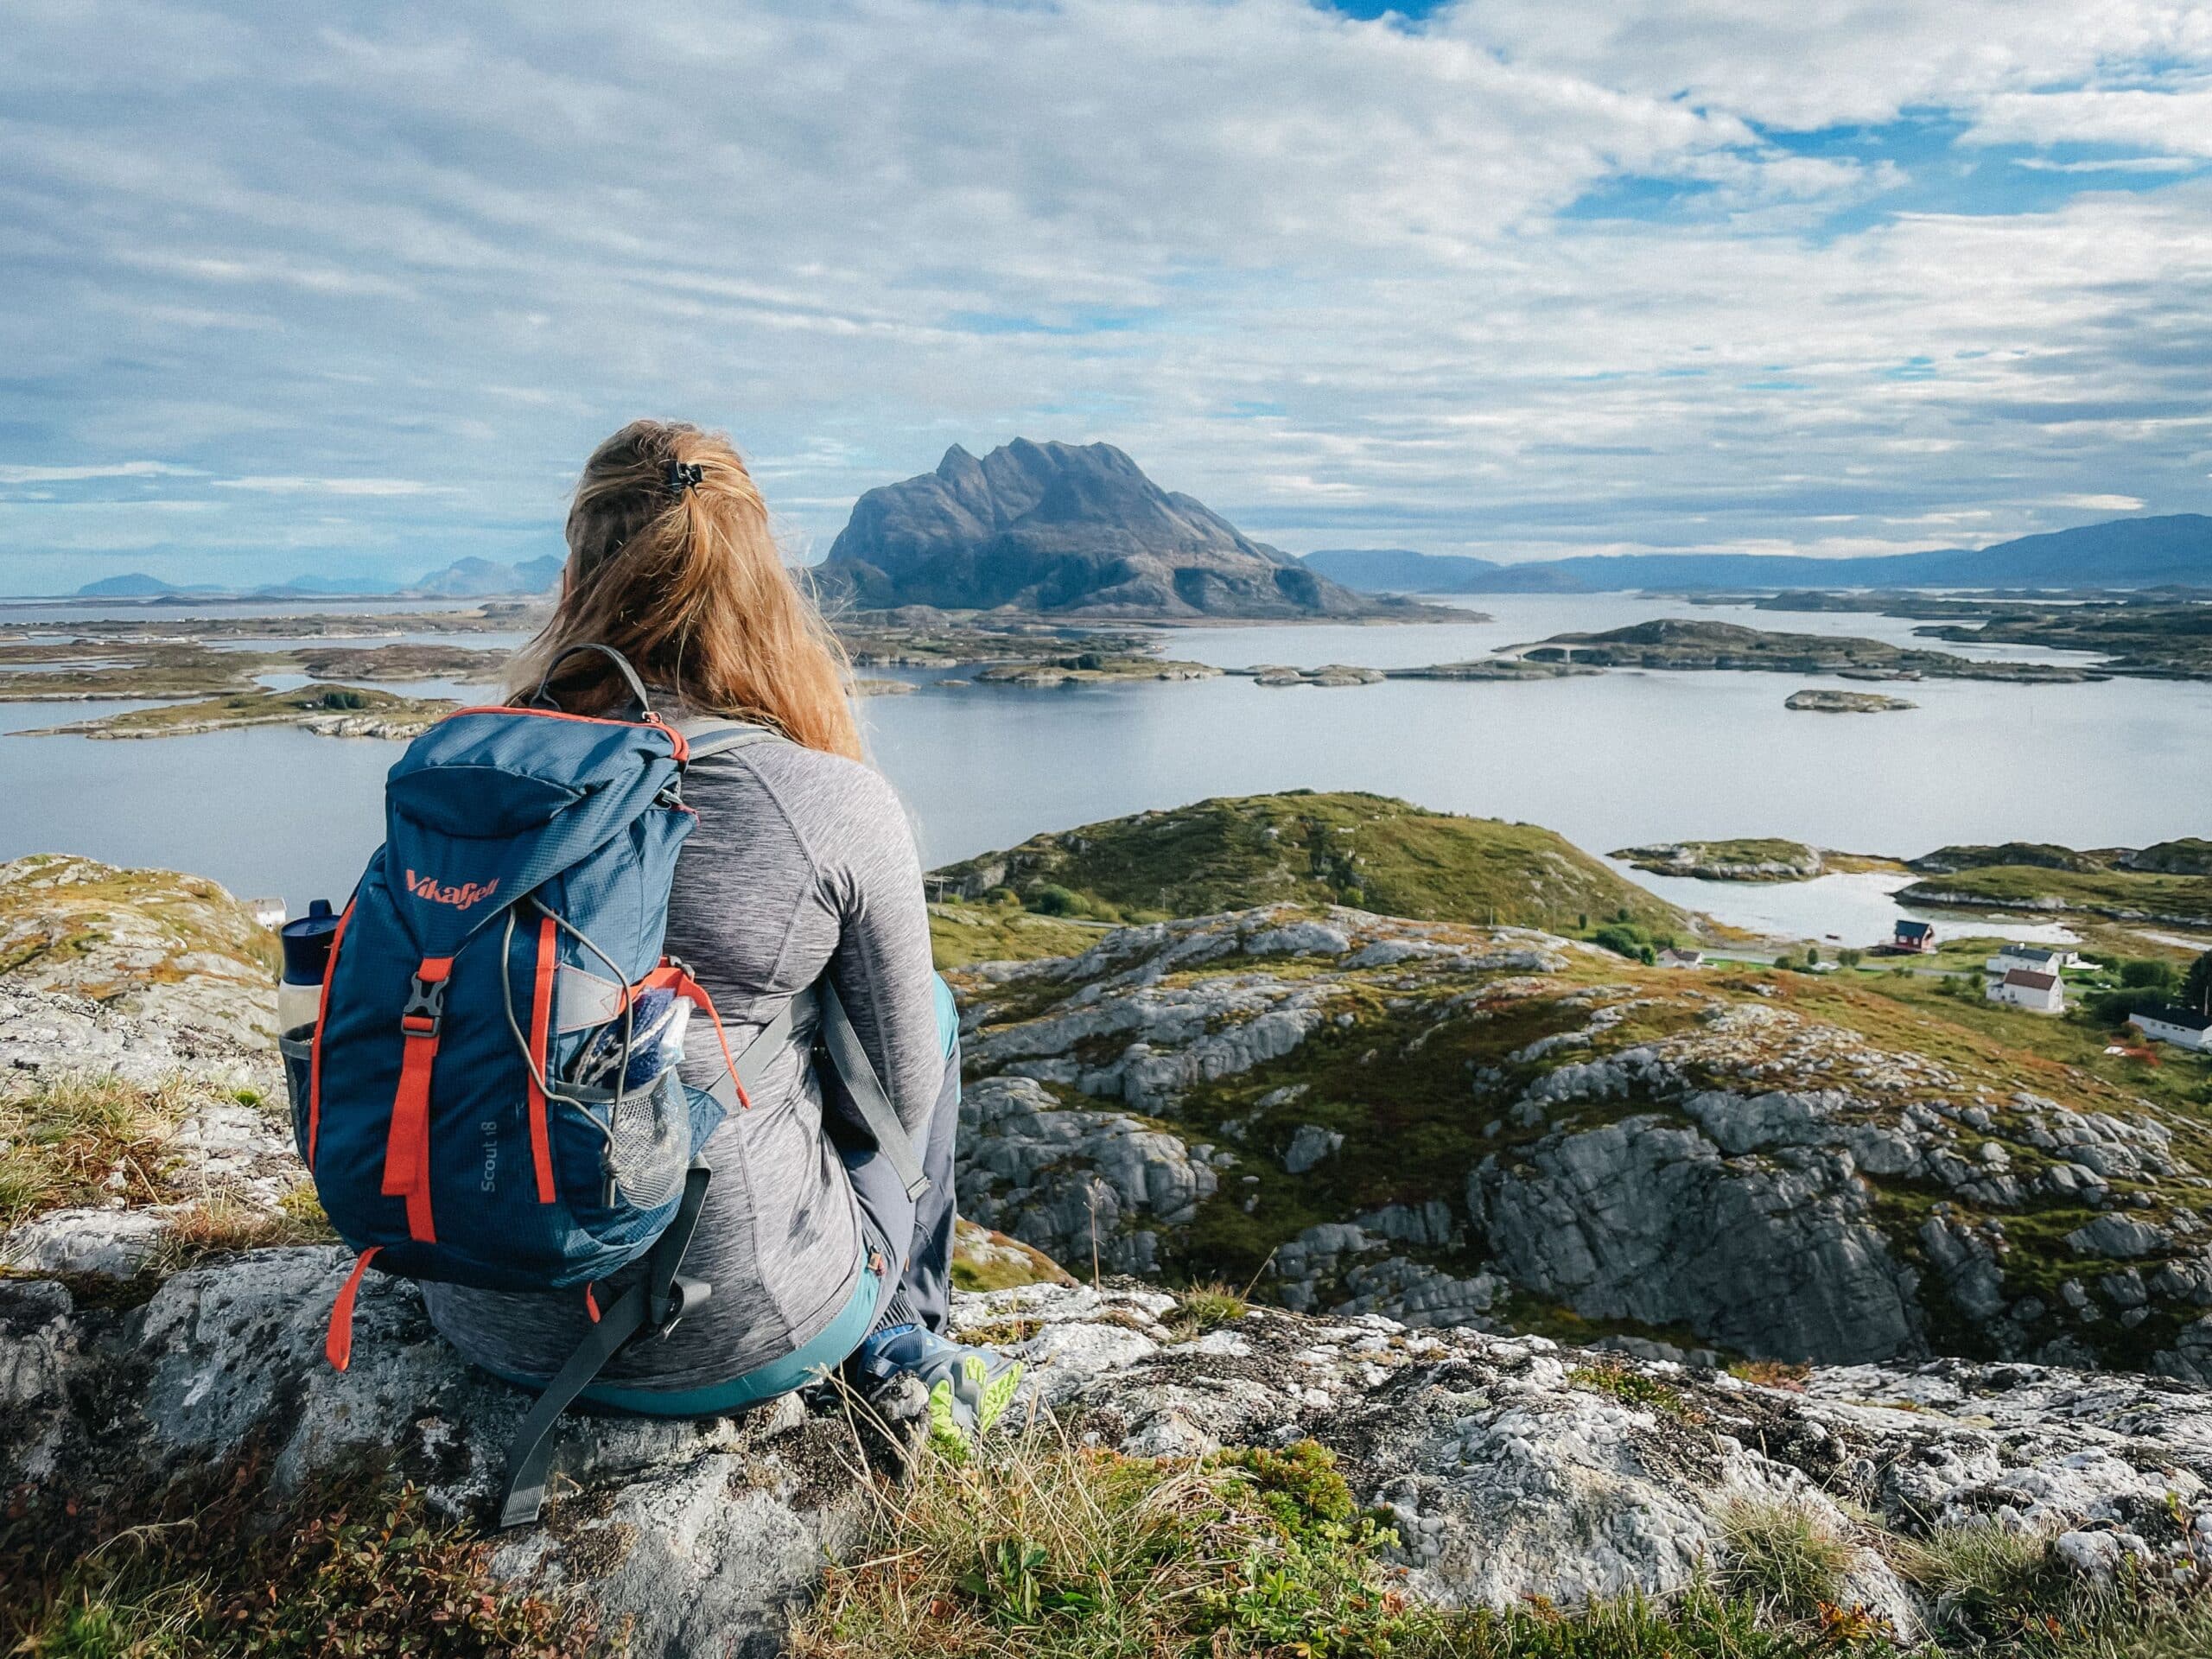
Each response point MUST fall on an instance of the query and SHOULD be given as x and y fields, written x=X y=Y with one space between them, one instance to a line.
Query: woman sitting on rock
x=802 y=865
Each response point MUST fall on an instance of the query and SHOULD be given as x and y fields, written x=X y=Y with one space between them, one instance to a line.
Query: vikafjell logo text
x=461 y=898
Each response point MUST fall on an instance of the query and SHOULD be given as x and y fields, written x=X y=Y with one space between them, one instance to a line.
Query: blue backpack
x=489 y=1096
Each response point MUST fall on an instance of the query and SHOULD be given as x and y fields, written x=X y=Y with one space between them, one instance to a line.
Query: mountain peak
x=1068 y=528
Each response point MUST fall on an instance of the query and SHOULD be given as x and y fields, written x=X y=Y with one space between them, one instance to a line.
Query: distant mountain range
x=1067 y=530
x=2154 y=552
x=469 y=578
x=1078 y=531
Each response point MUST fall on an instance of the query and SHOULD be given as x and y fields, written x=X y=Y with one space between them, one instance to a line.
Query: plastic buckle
x=685 y=1296
x=426 y=1007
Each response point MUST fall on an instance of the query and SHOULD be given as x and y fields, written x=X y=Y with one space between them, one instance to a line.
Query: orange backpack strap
x=672 y=976
x=541 y=1054
x=407 y=1147
x=338 y=1345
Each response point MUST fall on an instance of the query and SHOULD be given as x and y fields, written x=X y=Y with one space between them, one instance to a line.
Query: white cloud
x=2175 y=121
x=277 y=485
x=96 y=470
x=2102 y=503
x=424 y=257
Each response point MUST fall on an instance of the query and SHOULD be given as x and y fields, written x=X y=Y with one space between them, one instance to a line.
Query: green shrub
x=369 y=1571
x=2151 y=974
x=1049 y=899
x=1621 y=939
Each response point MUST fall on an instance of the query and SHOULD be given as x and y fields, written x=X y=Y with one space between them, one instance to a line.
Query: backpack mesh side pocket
x=297 y=1046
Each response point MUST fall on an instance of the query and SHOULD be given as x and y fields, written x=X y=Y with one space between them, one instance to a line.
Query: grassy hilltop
x=1366 y=851
x=2169 y=881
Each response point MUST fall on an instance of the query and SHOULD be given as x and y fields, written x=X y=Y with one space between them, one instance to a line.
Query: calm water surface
x=1608 y=760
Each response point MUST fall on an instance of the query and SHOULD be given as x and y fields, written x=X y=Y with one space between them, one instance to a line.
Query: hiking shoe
x=966 y=1389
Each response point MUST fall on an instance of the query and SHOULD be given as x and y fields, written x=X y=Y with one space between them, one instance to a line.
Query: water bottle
x=306 y=955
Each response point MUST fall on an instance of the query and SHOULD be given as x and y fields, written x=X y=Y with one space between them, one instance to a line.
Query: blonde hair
x=671 y=562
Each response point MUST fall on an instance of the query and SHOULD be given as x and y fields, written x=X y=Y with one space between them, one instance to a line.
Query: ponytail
x=672 y=564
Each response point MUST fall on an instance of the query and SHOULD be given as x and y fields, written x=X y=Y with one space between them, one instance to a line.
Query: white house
x=2183 y=1027
x=2023 y=987
x=2036 y=958
x=1674 y=957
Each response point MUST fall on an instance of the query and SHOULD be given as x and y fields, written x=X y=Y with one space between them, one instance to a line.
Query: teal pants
x=921 y=1293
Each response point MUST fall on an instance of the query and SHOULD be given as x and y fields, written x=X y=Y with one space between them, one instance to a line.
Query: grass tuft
x=1785 y=1555
x=222 y=1223
x=1203 y=1308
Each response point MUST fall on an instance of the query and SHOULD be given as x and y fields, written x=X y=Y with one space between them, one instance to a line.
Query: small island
x=326 y=710
x=1816 y=700
x=1672 y=644
x=1744 y=859
x=1328 y=675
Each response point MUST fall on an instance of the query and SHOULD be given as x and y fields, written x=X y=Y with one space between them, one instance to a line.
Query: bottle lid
x=307 y=943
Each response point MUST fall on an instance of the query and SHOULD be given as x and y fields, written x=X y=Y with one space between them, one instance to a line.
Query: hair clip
x=684 y=475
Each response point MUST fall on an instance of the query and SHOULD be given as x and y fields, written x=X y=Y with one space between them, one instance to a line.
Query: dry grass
x=1771 y=1374
x=222 y=1223
x=85 y=1139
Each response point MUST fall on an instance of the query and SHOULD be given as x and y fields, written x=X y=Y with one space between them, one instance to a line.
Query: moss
x=963 y=934
x=1632 y=1388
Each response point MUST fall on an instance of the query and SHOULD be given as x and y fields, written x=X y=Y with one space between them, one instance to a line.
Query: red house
x=1917 y=937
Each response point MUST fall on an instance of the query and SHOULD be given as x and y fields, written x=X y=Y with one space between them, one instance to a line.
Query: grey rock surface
x=1646 y=1221
x=1508 y=1474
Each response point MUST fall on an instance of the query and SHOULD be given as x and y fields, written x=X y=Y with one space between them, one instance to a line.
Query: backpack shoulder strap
x=842 y=1045
x=709 y=734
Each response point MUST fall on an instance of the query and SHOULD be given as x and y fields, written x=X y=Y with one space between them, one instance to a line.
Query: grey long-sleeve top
x=802 y=862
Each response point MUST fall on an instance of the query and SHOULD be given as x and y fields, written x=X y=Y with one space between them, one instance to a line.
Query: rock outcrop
x=1509 y=1468
x=1728 y=861
x=1416 y=1126
x=1430 y=1122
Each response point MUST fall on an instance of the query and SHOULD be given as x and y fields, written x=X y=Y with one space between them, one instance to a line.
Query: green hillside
x=2180 y=901
x=1368 y=851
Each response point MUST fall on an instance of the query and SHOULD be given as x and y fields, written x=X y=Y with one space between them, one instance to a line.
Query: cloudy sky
x=353 y=288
